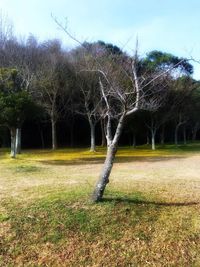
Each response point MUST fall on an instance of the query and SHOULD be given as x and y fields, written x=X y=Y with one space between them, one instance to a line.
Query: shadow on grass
x=99 y=160
x=145 y=202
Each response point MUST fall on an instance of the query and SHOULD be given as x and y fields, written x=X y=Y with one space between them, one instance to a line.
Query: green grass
x=150 y=215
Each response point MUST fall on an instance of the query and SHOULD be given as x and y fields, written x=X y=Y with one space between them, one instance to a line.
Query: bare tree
x=6 y=29
x=124 y=91
x=51 y=81
x=22 y=56
x=183 y=89
x=125 y=88
x=89 y=102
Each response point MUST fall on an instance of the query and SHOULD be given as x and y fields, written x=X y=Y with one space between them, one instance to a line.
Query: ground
x=150 y=215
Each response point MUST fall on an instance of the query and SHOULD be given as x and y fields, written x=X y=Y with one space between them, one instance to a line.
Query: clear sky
x=168 y=25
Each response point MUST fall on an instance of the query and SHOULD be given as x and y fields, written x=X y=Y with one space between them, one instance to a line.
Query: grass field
x=150 y=215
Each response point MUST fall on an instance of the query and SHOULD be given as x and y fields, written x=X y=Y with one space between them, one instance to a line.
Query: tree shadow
x=145 y=202
x=100 y=160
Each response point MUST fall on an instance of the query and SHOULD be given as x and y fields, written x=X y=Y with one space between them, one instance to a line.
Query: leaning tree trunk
x=54 y=134
x=112 y=145
x=13 y=142
x=18 y=140
x=92 y=137
x=104 y=176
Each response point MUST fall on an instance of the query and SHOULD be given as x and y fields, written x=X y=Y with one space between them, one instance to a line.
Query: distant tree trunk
x=176 y=132
x=18 y=141
x=176 y=135
x=92 y=136
x=134 y=140
x=148 y=142
x=194 y=131
x=184 y=136
x=54 y=134
x=13 y=142
x=72 y=132
x=153 y=133
x=179 y=123
x=162 y=135
x=103 y=136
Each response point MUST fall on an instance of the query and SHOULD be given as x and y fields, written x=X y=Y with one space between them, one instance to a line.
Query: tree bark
x=18 y=141
x=13 y=142
x=54 y=134
x=104 y=177
x=112 y=144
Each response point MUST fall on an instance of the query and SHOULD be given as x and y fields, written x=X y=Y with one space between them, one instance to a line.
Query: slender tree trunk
x=92 y=137
x=148 y=142
x=179 y=123
x=13 y=142
x=162 y=135
x=194 y=132
x=153 y=133
x=184 y=136
x=103 y=136
x=176 y=135
x=18 y=141
x=134 y=140
x=104 y=177
x=112 y=145
x=54 y=134
x=72 y=132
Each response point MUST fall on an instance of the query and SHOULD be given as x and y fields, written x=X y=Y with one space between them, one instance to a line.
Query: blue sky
x=168 y=25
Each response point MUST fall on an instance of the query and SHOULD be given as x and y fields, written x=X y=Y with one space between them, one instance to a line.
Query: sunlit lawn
x=150 y=215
